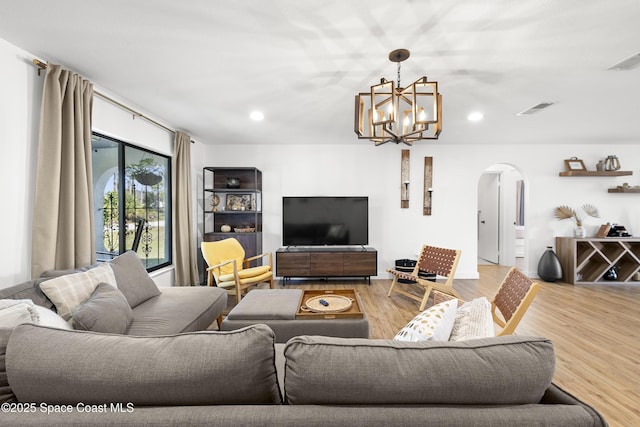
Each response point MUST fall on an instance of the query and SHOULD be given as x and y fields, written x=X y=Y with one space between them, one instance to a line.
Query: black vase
x=549 y=268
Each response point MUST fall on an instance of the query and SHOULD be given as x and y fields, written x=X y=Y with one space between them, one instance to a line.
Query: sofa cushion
x=178 y=309
x=27 y=290
x=200 y=368
x=106 y=310
x=69 y=291
x=488 y=371
x=6 y=395
x=132 y=279
x=434 y=323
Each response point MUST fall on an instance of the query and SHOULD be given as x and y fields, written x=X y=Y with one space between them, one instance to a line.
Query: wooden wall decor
x=428 y=186
x=404 y=180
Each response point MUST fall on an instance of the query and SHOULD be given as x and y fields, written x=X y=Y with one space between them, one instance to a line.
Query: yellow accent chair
x=439 y=261
x=228 y=268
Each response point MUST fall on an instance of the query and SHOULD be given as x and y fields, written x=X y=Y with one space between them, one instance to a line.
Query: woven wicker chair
x=439 y=261
x=513 y=298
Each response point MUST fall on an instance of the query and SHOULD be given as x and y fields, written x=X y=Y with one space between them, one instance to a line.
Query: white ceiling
x=202 y=65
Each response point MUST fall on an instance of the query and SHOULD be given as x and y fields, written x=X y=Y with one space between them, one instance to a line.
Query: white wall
x=20 y=96
x=358 y=168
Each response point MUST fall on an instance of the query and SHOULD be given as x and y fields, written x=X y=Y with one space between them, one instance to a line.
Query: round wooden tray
x=337 y=304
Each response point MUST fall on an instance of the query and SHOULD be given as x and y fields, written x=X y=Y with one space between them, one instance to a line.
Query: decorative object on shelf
x=244 y=229
x=397 y=114
x=574 y=164
x=549 y=268
x=612 y=163
x=565 y=212
x=238 y=202
x=427 y=203
x=618 y=231
x=225 y=228
x=612 y=273
x=215 y=201
x=233 y=183
x=600 y=166
x=603 y=231
x=404 y=179
x=625 y=188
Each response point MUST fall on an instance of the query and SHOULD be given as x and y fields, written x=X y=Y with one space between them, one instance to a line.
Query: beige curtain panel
x=184 y=260
x=63 y=233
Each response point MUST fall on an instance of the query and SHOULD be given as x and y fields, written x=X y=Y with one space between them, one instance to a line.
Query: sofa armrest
x=554 y=395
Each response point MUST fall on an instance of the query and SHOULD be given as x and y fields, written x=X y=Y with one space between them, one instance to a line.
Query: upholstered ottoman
x=277 y=308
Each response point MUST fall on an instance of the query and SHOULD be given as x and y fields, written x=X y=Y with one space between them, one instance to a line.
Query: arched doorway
x=501 y=219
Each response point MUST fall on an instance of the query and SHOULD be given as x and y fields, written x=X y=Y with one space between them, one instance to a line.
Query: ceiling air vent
x=627 y=64
x=534 y=109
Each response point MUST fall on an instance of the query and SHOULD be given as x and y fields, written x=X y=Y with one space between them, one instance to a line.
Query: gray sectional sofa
x=165 y=370
x=243 y=378
x=154 y=311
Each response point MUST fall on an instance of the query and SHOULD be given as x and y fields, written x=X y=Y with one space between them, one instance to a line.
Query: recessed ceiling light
x=476 y=116
x=257 y=116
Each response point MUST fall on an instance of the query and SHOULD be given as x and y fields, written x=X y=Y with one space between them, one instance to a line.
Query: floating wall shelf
x=624 y=190
x=596 y=173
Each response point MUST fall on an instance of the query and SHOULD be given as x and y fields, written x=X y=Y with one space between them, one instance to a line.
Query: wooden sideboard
x=326 y=262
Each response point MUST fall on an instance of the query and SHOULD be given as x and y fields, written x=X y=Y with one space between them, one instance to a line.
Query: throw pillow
x=69 y=291
x=473 y=320
x=132 y=279
x=106 y=310
x=15 y=312
x=51 y=319
x=434 y=323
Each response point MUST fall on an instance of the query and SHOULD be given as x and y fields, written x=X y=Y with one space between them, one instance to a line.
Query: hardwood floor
x=595 y=331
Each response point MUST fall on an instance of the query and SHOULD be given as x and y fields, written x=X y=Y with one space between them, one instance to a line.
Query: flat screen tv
x=315 y=221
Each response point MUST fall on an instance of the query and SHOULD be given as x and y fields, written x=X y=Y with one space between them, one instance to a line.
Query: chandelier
x=391 y=113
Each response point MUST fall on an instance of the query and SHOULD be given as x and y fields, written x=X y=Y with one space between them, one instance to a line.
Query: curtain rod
x=43 y=66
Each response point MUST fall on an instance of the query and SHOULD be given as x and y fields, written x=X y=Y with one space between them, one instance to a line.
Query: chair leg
x=219 y=321
x=427 y=292
x=271 y=282
x=393 y=284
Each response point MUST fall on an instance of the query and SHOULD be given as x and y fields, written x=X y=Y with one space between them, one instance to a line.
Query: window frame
x=121 y=188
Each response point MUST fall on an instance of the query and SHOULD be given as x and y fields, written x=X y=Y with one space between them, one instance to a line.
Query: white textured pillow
x=51 y=319
x=15 y=314
x=69 y=291
x=434 y=323
x=473 y=320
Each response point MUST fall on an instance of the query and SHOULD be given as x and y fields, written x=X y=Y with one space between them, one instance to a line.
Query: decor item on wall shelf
x=612 y=163
x=600 y=166
x=428 y=186
x=225 y=228
x=565 y=212
x=404 y=179
x=397 y=114
x=574 y=164
x=233 y=183
x=549 y=267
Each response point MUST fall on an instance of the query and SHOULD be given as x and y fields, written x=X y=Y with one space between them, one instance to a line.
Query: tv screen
x=314 y=221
